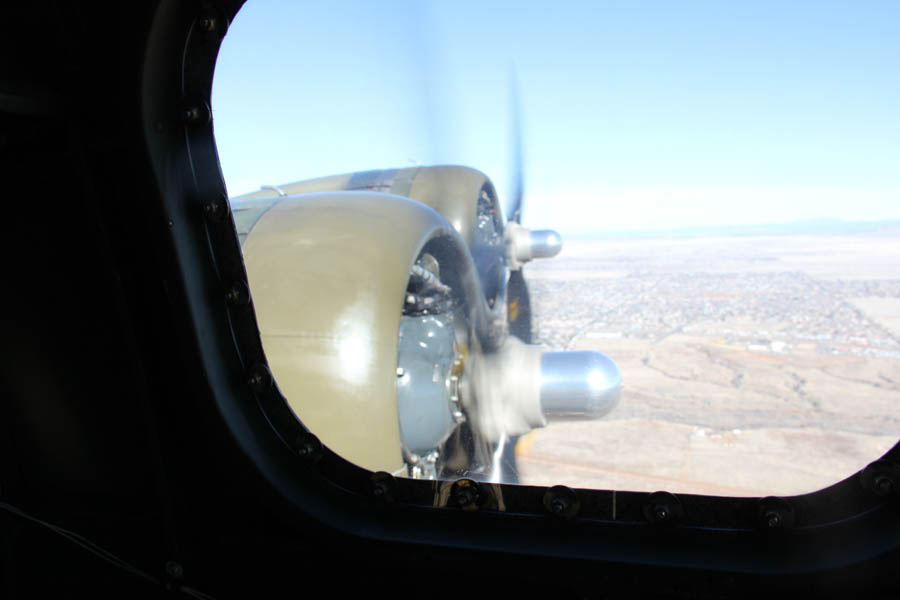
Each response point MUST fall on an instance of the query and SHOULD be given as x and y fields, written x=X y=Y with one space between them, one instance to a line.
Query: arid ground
x=751 y=365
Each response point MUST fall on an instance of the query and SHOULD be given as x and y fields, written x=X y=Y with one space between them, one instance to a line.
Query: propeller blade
x=517 y=189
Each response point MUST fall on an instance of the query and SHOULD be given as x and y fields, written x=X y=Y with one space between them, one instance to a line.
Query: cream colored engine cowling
x=328 y=272
x=451 y=190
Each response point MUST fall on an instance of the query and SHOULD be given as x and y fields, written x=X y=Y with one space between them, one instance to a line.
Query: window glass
x=723 y=179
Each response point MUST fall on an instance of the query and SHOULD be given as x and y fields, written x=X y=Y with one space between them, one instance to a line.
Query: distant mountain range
x=821 y=226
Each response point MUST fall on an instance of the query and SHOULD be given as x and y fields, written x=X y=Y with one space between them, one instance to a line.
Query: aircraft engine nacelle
x=385 y=320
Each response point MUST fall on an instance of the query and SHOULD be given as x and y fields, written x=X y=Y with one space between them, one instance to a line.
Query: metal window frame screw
x=212 y=21
x=174 y=570
x=882 y=478
x=663 y=508
x=465 y=497
x=216 y=210
x=259 y=378
x=465 y=493
x=211 y=209
x=308 y=446
x=884 y=485
x=661 y=512
x=560 y=501
x=558 y=506
x=383 y=485
x=238 y=294
x=197 y=113
x=775 y=515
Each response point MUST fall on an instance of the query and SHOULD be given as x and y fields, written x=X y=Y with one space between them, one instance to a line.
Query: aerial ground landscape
x=752 y=364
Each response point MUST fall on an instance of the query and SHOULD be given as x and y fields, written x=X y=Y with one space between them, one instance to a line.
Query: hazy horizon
x=811 y=226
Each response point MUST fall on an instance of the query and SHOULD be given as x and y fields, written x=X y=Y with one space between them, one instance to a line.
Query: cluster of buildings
x=766 y=312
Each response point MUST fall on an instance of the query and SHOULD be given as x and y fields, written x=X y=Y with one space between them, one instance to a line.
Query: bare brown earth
x=751 y=365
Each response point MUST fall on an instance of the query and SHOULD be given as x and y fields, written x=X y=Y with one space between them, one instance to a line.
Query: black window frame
x=848 y=523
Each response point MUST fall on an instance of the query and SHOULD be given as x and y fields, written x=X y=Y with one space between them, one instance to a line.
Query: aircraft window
x=699 y=204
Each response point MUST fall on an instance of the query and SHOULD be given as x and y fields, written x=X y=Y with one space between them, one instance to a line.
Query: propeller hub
x=523 y=245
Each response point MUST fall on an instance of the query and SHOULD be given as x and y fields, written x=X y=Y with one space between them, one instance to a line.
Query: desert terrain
x=764 y=365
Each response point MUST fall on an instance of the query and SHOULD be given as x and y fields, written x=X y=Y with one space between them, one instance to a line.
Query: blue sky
x=634 y=115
